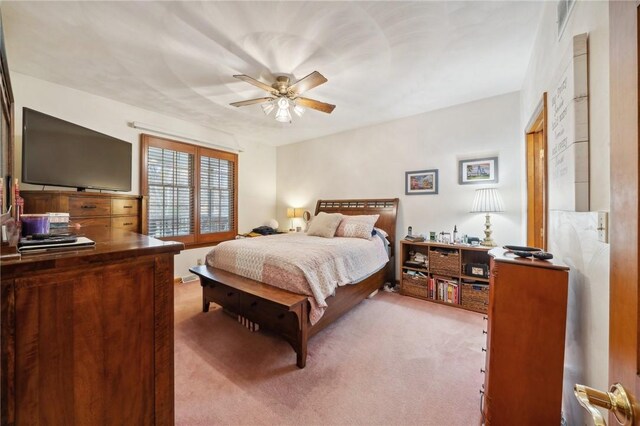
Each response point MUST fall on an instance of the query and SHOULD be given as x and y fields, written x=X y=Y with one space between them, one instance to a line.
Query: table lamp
x=487 y=200
x=293 y=213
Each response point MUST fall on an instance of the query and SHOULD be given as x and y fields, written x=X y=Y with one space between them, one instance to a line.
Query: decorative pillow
x=357 y=226
x=324 y=225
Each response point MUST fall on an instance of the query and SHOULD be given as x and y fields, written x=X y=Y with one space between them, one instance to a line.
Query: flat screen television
x=59 y=153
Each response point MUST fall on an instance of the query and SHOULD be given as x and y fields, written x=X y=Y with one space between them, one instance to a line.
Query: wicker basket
x=444 y=262
x=475 y=296
x=414 y=286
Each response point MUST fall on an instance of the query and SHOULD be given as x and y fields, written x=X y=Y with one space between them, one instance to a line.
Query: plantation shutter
x=216 y=195
x=171 y=193
x=191 y=192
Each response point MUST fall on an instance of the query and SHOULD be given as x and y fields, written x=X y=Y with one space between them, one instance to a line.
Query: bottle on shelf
x=455 y=234
x=19 y=203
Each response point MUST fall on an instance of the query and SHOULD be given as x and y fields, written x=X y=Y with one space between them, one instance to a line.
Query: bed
x=287 y=313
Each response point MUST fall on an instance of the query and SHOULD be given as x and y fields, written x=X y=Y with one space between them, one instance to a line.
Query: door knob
x=616 y=401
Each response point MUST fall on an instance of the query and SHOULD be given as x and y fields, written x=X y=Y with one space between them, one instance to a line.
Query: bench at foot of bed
x=280 y=311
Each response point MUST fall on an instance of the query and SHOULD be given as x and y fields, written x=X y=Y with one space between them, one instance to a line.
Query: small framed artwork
x=421 y=182
x=481 y=170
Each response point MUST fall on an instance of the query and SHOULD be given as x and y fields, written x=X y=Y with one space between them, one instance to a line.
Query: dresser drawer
x=124 y=206
x=92 y=221
x=222 y=295
x=89 y=206
x=130 y=223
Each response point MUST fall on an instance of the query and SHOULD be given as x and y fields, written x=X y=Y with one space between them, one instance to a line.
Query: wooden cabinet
x=87 y=336
x=88 y=208
x=525 y=341
x=442 y=268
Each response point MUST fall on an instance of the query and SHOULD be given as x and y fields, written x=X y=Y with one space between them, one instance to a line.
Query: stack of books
x=444 y=290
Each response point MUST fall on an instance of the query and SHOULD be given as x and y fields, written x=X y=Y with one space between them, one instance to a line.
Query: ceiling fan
x=284 y=95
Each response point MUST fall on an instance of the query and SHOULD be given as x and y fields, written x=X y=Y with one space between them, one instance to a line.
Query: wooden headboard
x=387 y=208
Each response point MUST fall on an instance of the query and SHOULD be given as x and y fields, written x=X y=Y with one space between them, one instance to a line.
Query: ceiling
x=383 y=60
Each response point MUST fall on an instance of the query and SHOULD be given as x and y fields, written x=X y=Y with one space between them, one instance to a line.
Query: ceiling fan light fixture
x=283 y=115
x=298 y=110
x=268 y=107
x=283 y=103
x=284 y=96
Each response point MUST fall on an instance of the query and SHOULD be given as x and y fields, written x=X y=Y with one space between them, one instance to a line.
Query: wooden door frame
x=623 y=276
x=537 y=123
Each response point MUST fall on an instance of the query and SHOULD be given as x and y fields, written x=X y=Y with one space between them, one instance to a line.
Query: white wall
x=371 y=163
x=256 y=179
x=586 y=358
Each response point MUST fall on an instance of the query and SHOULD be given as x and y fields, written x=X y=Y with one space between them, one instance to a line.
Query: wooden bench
x=281 y=311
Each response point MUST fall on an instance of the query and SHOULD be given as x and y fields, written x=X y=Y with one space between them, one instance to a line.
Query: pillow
x=357 y=226
x=324 y=225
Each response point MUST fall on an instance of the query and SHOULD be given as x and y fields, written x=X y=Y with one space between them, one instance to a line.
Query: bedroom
x=471 y=95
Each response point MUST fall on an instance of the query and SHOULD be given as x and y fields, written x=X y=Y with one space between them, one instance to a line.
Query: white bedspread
x=302 y=264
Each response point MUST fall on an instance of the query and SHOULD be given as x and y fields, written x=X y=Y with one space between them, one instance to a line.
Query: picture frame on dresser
x=478 y=171
x=421 y=182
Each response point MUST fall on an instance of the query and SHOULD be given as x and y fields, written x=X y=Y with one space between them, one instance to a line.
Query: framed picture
x=421 y=182
x=481 y=170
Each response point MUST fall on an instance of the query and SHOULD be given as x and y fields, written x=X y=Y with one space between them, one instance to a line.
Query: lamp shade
x=291 y=212
x=298 y=212
x=487 y=200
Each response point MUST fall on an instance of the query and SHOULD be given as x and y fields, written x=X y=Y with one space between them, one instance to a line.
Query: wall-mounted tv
x=59 y=153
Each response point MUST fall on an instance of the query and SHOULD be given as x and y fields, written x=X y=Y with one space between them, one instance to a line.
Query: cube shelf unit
x=446 y=263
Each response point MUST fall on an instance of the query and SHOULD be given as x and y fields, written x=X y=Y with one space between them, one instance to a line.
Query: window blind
x=216 y=195
x=170 y=209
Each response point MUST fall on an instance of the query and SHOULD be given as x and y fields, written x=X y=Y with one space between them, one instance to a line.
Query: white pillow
x=357 y=226
x=324 y=225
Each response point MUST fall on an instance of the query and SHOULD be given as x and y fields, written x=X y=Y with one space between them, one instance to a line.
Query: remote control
x=543 y=255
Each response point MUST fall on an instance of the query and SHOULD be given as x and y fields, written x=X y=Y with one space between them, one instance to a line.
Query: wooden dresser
x=88 y=208
x=525 y=341
x=87 y=335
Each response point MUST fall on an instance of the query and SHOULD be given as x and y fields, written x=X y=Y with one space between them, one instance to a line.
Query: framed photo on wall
x=480 y=170
x=421 y=182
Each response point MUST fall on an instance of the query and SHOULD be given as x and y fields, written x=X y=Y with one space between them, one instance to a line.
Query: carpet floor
x=392 y=360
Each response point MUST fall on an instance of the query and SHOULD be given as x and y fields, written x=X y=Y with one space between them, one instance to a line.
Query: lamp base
x=488 y=241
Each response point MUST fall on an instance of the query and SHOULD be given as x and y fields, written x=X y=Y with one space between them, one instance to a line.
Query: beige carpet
x=392 y=360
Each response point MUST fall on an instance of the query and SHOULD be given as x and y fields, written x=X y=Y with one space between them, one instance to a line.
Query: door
x=624 y=349
x=537 y=177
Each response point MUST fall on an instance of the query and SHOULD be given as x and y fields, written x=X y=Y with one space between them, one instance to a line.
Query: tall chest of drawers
x=525 y=341
x=88 y=208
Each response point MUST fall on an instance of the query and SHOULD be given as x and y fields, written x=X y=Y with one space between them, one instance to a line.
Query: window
x=190 y=191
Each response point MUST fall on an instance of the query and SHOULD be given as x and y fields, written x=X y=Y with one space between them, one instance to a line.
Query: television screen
x=58 y=153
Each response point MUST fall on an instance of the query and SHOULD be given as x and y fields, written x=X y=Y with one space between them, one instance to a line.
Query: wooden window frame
x=196 y=239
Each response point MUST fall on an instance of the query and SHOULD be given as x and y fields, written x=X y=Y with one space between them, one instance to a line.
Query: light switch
x=603 y=227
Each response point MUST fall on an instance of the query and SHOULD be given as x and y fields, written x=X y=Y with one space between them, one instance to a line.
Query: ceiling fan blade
x=250 y=102
x=255 y=82
x=306 y=83
x=311 y=103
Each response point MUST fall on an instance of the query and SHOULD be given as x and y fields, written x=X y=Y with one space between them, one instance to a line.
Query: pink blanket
x=313 y=266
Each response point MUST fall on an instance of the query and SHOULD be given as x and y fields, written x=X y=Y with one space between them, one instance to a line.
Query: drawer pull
x=486 y=318
x=254 y=304
x=280 y=316
x=127 y=207
x=484 y=331
x=88 y=206
x=482 y=370
x=484 y=349
x=127 y=224
x=230 y=294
